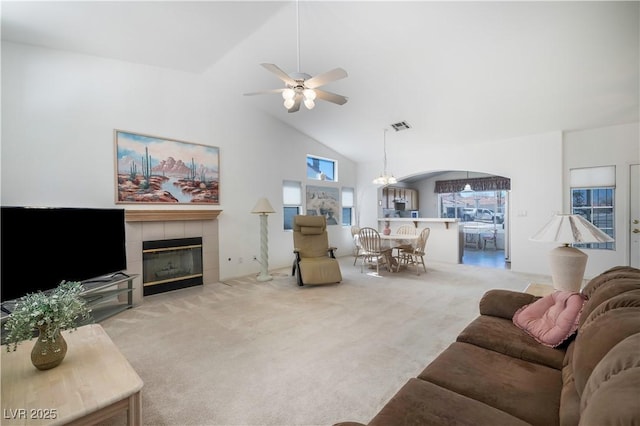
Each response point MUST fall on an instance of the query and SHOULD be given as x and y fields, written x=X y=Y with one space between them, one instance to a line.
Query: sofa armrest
x=504 y=303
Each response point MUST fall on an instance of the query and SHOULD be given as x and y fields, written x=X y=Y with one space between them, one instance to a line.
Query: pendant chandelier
x=384 y=178
x=467 y=187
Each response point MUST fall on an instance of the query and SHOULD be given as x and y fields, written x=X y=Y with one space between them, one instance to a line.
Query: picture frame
x=158 y=170
x=324 y=201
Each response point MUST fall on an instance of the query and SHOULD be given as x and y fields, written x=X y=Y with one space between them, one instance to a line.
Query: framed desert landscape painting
x=151 y=169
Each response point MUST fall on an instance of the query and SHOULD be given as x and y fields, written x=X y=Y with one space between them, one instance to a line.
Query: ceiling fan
x=301 y=87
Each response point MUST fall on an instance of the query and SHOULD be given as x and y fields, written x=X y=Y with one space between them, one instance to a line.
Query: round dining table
x=400 y=239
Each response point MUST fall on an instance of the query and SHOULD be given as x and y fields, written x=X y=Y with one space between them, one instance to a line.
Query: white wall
x=59 y=111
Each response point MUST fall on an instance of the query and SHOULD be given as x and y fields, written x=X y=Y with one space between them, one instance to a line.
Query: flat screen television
x=43 y=246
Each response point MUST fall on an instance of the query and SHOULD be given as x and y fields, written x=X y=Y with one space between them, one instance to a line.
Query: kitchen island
x=446 y=239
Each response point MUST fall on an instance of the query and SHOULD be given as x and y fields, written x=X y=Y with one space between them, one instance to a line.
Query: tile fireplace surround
x=145 y=225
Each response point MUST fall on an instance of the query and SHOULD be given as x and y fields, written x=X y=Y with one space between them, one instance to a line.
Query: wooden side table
x=93 y=383
x=539 y=289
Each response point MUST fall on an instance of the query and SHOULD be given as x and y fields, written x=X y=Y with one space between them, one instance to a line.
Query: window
x=595 y=205
x=347 y=206
x=474 y=206
x=292 y=201
x=593 y=197
x=319 y=168
x=481 y=214
x=474 y=200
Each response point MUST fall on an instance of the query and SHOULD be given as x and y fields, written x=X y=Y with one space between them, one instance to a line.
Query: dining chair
x=491 y=238
x=357 y=249
x=404 y=230
x=372 y=250
x=415 y=255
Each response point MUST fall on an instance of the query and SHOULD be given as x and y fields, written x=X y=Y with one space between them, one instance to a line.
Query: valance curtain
x=492 y=183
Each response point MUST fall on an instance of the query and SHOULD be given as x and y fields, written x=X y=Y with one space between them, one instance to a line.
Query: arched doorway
x=480 y=201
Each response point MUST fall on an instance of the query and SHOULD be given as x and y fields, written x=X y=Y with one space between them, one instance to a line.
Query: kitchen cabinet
x=393 y=196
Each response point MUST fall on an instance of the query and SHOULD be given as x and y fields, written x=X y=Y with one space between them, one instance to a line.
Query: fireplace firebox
x=171 y=264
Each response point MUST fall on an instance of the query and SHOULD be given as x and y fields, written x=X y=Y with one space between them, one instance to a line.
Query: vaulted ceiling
x=457 y=72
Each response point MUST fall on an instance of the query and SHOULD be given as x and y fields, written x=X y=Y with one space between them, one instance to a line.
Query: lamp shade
x=570 y=229
x=263 y=206
x=568 y=263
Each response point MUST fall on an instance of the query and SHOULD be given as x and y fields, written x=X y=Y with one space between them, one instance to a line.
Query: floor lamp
x=567 y=264
x=263 y=207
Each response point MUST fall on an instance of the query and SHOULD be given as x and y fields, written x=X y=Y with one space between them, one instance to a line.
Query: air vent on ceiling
x=403 y=125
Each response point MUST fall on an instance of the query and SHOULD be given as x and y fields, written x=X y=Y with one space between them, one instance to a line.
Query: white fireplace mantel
x=169 y=215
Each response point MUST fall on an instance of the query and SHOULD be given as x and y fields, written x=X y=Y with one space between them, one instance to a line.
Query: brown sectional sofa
x=496 y=374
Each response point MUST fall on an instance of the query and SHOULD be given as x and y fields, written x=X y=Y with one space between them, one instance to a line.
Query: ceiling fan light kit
x=309 y=98
x=301 y=87
x=288 y=94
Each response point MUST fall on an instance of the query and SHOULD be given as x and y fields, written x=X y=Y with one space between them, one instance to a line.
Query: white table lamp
x=568 y=263
x=263 y=207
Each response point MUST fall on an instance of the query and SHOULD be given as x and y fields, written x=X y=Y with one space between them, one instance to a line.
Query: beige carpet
x=249 y=353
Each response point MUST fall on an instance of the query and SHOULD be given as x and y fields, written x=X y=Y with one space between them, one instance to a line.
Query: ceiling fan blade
x=264 y=92
x=331 y=97
x=324 y=78
x=296 y=104
x=280 y=74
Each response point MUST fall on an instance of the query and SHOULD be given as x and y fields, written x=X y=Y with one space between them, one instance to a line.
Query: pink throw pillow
x=552 y=319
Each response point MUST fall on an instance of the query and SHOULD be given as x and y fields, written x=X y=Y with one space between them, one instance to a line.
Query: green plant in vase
x=49 y=313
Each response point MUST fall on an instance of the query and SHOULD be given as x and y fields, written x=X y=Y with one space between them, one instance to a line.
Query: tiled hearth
x=145 y=225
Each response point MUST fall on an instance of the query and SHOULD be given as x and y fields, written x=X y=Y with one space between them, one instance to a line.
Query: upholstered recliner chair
x=315 y=261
